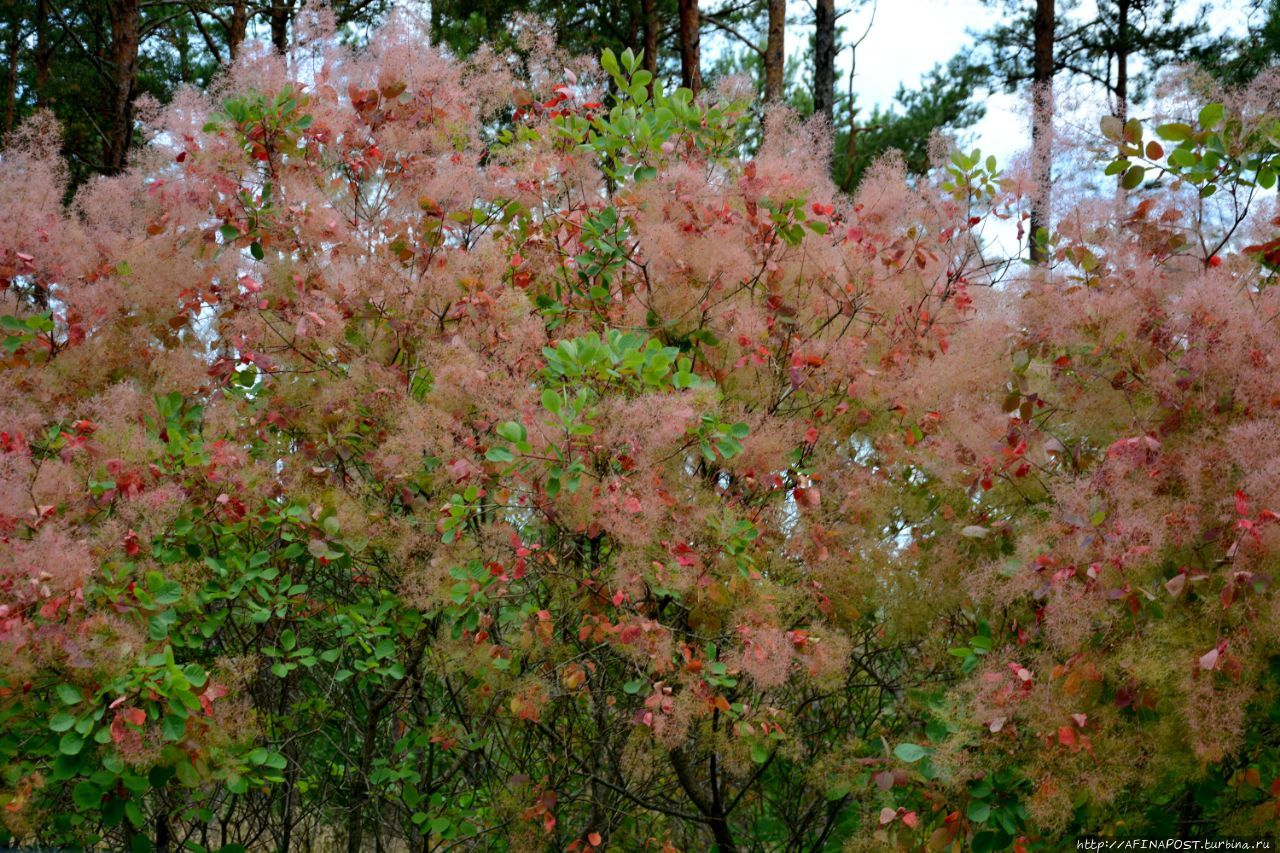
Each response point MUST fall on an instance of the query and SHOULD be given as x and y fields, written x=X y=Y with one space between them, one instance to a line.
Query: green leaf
x=69 y=694
x=633 y=687
x=173 y=728
x=87 y=796
x=61 y=722
x=759 y=754
x=255 y=249
x=552 y=401
x=1174 y=131
x=1133 y=177
x=839 y=792
x=71 y=744
x=1182 y=158
x=1211 y=116
x=512 y=431
x=979 y=811
x=910 y=752
x=609 y=62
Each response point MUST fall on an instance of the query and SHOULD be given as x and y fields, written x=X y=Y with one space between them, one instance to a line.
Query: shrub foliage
x=408 y=454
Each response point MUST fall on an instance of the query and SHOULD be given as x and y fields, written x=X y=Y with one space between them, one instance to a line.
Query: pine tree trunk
x=126 y=33
x=649 y=11
x=43 y=53
x=1042 y=125
x=1122 y=60
x=237 y=29
x=690 y=46
x=281 y=12
x=12 y=45
x=775 y=54
x=824 y=60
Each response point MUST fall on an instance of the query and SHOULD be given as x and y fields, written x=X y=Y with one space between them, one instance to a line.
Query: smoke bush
x=409 y=451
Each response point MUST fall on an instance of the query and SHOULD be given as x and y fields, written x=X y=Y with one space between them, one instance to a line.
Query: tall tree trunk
x=12 y=46
x=281 y=12
x=43 y=53
x=851 y=153
x=126 y=34
x=690 y=46
x=824 y=59
x=1122 y=60
x=237 y=28
x=1041 y=125
x=775 y=54
x=649 y=11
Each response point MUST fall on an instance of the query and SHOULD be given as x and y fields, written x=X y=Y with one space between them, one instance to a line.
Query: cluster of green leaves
x=980 y=644
x=790 y=218
x=970 y=178
x=20 y=332
x=266 y=127
x=259 y=119
x=626 y=361
x=629 y=139
x=1217 y=149
x=996 y=808
x=604 y=240
x=579 y=372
